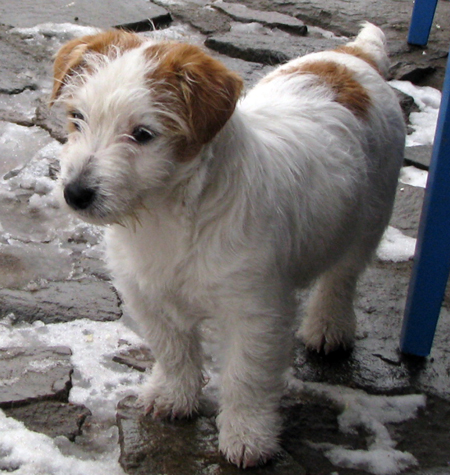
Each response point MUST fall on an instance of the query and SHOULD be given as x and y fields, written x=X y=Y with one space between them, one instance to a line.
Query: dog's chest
x=160 y=256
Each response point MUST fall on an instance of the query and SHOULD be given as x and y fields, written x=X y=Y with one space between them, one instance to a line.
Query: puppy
x=218 y=206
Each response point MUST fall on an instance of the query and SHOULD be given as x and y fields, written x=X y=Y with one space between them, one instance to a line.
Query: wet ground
x=51 y=269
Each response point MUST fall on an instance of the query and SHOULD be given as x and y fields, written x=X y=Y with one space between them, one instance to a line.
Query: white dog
x=221 y=207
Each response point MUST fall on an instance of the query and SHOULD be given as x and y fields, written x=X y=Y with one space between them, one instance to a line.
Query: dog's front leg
x=252 y=384
x=176 y=379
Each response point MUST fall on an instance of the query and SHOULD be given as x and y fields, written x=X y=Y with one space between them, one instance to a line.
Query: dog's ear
x=206 y=89
x=69 y=59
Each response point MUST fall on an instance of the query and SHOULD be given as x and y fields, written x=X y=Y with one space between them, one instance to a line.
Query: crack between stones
x=15 y=92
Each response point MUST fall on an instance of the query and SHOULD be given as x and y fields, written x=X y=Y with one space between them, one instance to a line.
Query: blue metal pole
x=432 y=259
x=421 y=21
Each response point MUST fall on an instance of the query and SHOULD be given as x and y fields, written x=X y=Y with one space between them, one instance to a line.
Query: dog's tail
x=372 y=44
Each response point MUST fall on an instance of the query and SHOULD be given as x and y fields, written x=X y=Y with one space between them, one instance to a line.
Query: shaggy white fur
x=293 y=183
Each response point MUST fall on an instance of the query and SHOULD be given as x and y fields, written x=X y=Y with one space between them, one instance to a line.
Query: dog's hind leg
x=329 y=323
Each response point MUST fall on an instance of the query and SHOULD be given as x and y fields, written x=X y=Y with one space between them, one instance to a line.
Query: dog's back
x=340 y=132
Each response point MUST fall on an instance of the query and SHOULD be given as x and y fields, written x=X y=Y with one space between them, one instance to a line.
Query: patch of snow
x=376 y=461
x=252 y=28
x=177 y=32
x=372 y=412
x=62 y=31
x=23 y=104
x=98 y=382
x=424 y=122
x=40 y=201
x=51 y=36
x=179 y=2
x=38 y=284
x=18 y=144
x=25 y=452
x=256 y=28
x=35 y=175
x=325 y=33
x=396 y=246
x=41 y=366
x=33 y=206
x=27 y=190
x=414 y=176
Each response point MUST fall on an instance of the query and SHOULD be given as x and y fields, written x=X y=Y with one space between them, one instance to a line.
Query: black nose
x=78 y=196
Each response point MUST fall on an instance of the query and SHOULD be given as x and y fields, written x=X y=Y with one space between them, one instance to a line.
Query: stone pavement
x=49 y=279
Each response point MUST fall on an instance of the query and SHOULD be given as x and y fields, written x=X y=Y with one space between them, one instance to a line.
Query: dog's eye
x=142 y=135
x=76 y=118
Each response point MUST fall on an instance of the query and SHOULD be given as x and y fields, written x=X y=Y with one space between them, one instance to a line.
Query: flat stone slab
x=84 y=12
x=53 y=418
x=150 y=447
x=62 y=302
x=21 y=68
x=267 y=49
x=250 y=72
x=416 y=73
x=200 y=16
x=427 y=438
x=311 y=425
x=419 y=156
x=271 y=19
x=50 y=120
x=407 y=209
x=32 y=374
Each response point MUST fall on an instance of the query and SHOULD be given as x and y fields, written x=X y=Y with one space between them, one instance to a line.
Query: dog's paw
x=164 y=397
x=248 y=441
x=163 y=404
x=327 y=336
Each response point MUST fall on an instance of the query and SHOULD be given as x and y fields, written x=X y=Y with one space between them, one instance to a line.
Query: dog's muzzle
x=79 y=197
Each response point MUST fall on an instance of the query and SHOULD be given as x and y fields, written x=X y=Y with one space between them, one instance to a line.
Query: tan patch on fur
x=70 y=56
x=348 y=92
x=359 y=53
x=197 y=88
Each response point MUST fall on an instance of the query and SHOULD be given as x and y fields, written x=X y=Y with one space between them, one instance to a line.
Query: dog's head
x=138 y=112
